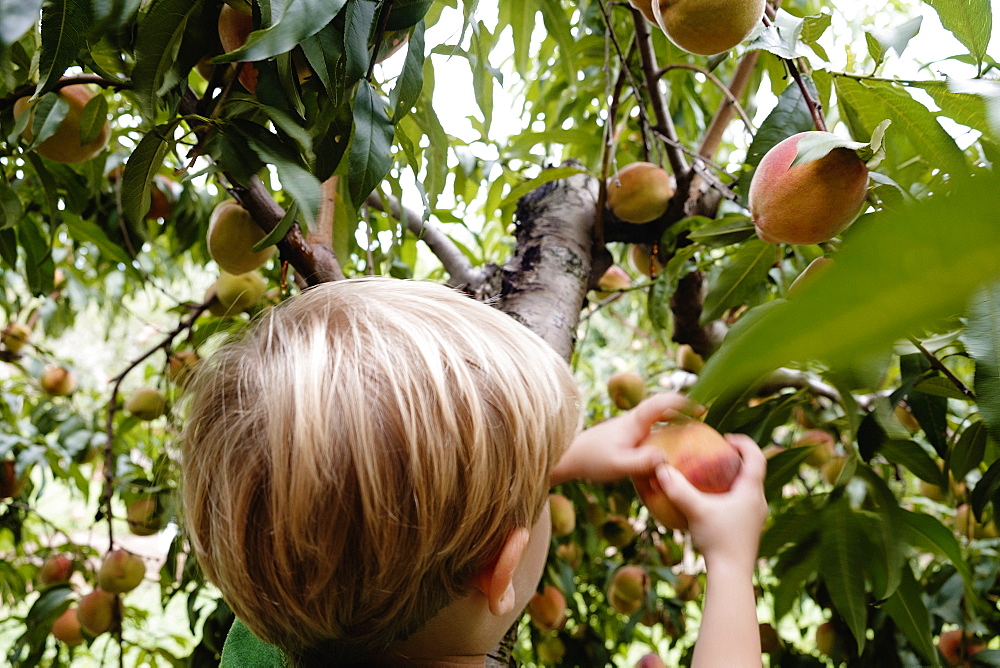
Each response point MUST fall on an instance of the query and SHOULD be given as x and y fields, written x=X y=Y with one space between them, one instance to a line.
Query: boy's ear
x=496 y=580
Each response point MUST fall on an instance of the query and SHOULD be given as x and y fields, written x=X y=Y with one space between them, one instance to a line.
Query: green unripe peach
x=551 y=651
x=15 y=336
x=57 y=381
x=688 y=360
x=707 y=27
x=180 y=365
x=144 y=517
x=640 y=192
x=626 y=389
x=809 y=203
x=237 y=293
x=232 y=234
x=146 y=403
x=617 y=530
x=563 y=515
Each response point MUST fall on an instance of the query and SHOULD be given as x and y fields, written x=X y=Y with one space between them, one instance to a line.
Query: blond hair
x=360 y=452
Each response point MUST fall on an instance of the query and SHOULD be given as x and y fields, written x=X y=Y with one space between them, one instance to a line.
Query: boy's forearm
x=729 y=634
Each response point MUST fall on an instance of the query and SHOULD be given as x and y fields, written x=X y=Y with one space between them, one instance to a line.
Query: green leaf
x=142 y=165
x=781 y=37
x=18 y=17
x=663 y=288
x=988 y=93
x=557 y=27
x=987 y=490
x=360 y=17
x=406 y=92
x=406 y=13
x=295 y=178
x=982 y=341
x=970 y=21
x=323 y=51
x=546 y=176
x=816 y=145
x=781 y=468
x=300 y=20
x=927 y=533
x=65 y=26
x=969 y=450
x=924 y=270
x=93 y=118
x=911 y=455
x=875 y=48
x=907 y=609
x=743 y=279
x=369 y=156
x=931 y=411
x=85 y=230
x=49 y=112
x=10 y=206
x=279 y=231
x=843 y=565
x=725 y=231
x=38 y=265
x=156 y=45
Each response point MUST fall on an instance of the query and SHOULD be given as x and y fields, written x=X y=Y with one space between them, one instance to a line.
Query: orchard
x=788 y=210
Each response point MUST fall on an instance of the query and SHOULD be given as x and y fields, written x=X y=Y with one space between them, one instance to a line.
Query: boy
x=366 y=473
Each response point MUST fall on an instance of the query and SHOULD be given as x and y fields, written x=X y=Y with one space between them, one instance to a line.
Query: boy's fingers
x=664 y=405
x=754 y=461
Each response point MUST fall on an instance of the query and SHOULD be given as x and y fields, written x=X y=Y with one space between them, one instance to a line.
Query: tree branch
x=815 y=108
x=461 y=271
x=939 y=365
x=29 y=89
x=734 y=103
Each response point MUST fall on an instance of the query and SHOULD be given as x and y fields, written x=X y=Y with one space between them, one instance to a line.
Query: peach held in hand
x=808 y=203
x=701 y=454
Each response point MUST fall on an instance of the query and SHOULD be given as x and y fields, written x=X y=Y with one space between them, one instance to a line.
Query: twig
x=383 y=19
x=939 y=365
x=815 y=108
x=912 y=83
x=29 y=89
x=718 y=83
x=104 y=508
x=724 y=114
x=454 y=261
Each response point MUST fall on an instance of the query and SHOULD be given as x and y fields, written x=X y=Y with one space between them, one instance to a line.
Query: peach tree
x=488 y=145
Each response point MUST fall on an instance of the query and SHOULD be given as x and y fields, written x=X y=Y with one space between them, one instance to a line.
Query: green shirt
x=245 y=650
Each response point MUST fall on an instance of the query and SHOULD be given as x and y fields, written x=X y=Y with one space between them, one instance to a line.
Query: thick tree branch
x=545 y=282
x=461 y=271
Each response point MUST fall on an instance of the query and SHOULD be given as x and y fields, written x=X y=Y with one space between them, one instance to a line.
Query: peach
x=613 y=280
x=96 y=612
x=640 y=192
x=55 y=570
x=646 y=7
x=563 y=515
x=120 y=572
x=15 y=336
x=548 y=609
x=626 y=389
x=808 y=275
x=180 y=365
x=57 y=381
x=823 y=445
x=701 y=454
x=65 y=146
x=641 y=257
x=707 y=27
x=617 y=530
x=143 y=517
x=11 y=485
x=809 y=203
x=551 y=651
x=232 y=234
x=146 y=403
x=627 y=592
x=688 y=360
x=67 y=628
x=826 y=638
x=237 y=293
x=956 y=647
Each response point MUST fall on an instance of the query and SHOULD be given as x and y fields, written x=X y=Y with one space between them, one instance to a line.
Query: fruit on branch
x=957 y=488
x=64 y=145
x=571 y=553
x=640 y=192
x=548 y=609
x=67 y=628
x=700 y=454
x=146 y=403
x=237 y=293
x=967 y=525
x=770 y=641
x=627 y=591
x=55 y=570
x=823 y=445
x=57 y=381
x=688 y=360
x=232 y=234
x=708 y=27
x=97 y=612
x=906 y=418
x=15 y=336
x=563 y=515
x=144 y=517
x=826 y=638
x=120 y=572
x=646 y=7
x=626 y=389
x=957 y=647
x=163 y=193
x=809 y=203
x=613 y=280
x=235 y=26
x=833 y=468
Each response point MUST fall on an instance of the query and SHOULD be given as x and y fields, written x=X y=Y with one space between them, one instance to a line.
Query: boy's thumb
x=678 y=489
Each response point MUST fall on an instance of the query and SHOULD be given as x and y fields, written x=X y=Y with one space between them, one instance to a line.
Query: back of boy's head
x=354 y=458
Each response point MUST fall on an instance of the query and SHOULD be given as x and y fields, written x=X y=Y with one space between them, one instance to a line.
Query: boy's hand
x=725 y=527
x=609 y=451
